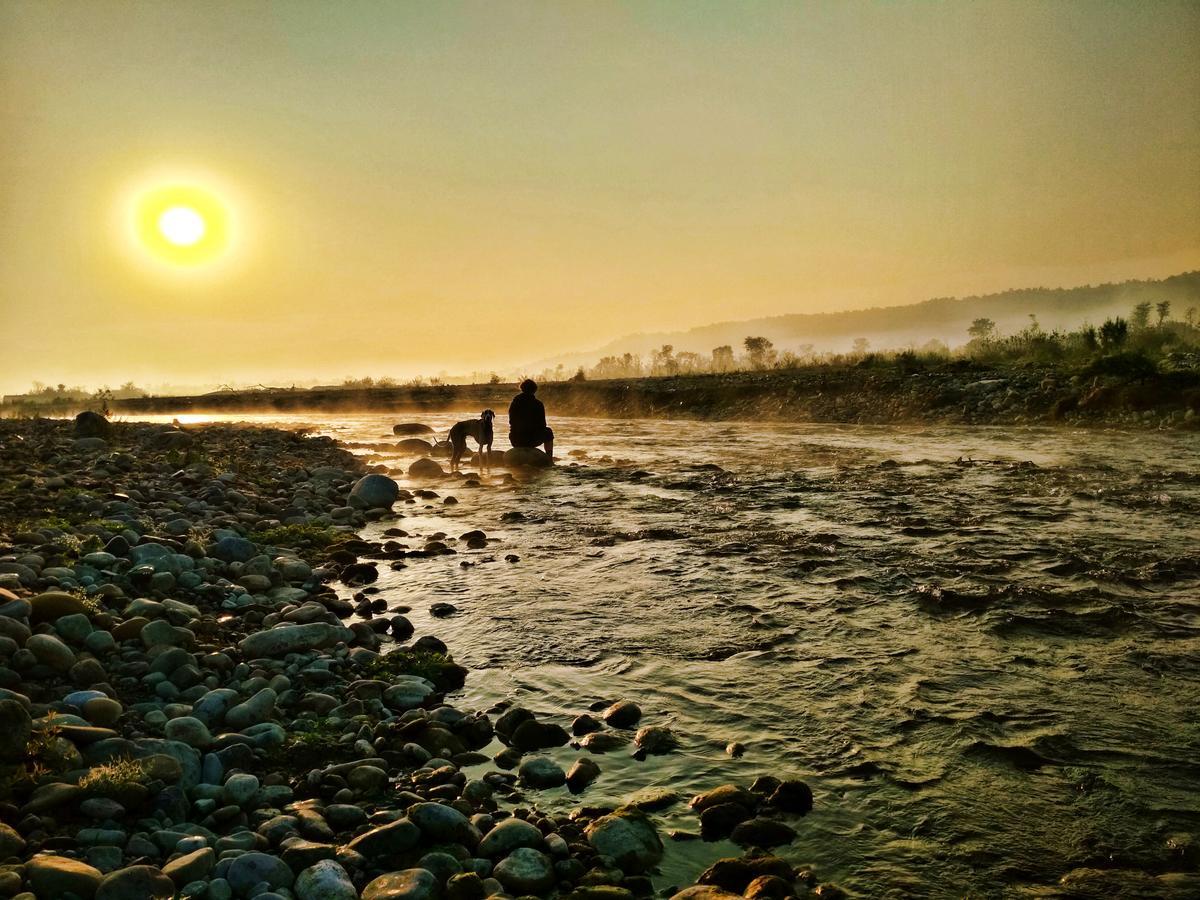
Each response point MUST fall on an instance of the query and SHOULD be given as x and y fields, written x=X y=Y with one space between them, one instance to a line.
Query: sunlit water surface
x=981 y=647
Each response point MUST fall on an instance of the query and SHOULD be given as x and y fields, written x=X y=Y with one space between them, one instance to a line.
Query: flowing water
x=980 y=647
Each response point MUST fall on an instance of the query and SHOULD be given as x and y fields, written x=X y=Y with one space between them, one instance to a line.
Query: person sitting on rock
x=527 y=420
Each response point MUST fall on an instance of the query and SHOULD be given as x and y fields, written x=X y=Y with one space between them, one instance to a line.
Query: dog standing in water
x=481 y=430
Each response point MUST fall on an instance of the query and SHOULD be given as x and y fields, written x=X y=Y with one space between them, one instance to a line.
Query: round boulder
x=376 y=490
x=50 y=651
x=704 y=892
x=541 y=772
x=525 y=871
x=54 y=605
x=628 y=838
x=526 y=458
x=324 y=880
x=508 y=836
x=16 y=727
x=407 y=884
x=762 y=833
x=623 y=714
x=90 y=424
x=12 y=844
x=793 y=796
x=142 y=882
x=425 y=468
x=444 y=824
x=54 y=876
x=411 y=428
x=254 y=868
x=414 y=445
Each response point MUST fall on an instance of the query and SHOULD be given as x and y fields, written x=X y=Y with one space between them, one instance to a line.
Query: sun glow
x=181 y=225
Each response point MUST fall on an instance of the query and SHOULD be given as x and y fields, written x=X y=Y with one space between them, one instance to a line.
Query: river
x=980 y=647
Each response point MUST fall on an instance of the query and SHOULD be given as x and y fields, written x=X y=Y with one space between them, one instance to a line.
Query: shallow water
x=981 y=647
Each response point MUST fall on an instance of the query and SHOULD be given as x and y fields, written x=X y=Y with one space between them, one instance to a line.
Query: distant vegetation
x=943 y=320
x=43 y=398
x=1149 y=339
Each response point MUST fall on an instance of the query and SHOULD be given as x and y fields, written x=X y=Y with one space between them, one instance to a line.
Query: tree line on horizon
x=1142 y=341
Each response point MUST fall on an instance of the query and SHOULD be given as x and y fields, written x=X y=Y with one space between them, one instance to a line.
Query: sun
x=182 y=225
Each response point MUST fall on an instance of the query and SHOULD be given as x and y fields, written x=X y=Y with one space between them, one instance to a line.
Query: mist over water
x=981 y=647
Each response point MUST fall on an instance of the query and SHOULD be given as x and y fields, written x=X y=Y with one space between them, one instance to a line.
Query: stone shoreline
x=184 y=711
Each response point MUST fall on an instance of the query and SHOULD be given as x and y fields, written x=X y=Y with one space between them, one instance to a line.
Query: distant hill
x=895 y=327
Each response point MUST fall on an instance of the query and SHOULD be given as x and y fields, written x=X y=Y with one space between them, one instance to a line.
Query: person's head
x=528 y=386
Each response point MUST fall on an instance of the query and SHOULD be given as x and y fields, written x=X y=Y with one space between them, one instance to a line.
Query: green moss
x=310 y=743
x=444 y=672
x=298 y=537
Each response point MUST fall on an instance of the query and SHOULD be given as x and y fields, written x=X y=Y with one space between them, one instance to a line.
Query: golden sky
x=424 y=187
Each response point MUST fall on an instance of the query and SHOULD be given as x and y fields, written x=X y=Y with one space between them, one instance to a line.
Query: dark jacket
x=526 y=421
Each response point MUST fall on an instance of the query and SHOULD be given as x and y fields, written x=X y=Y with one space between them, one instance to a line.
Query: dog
x=480 y=429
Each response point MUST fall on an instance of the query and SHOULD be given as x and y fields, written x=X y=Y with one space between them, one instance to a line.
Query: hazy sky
x=437 y=186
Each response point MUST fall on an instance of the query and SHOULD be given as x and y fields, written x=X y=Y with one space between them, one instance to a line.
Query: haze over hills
x=896 y=327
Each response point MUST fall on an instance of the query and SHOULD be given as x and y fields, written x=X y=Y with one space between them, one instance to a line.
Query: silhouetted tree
x=1113 y=333
x=663 y=360
x=982 y=329
x=1163 y=308
x=760 y=351
x=861 y=346
x=1139 y=320
x=1089 y=337
x=722 y=358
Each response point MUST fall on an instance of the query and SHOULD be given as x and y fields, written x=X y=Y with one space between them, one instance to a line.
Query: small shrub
x=113 y=776
x=298 y=537
x=1129 y=364
x=445 y=673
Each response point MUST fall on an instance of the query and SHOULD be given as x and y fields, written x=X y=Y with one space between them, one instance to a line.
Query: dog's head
x=487 y=415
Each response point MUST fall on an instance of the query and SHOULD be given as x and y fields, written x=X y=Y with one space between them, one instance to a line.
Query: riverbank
x=185 y=710
x=950 y=394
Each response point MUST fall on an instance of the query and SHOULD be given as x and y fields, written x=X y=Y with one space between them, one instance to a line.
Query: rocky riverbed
x=184 y=710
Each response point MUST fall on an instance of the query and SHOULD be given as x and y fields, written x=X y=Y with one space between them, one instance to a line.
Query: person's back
x=527 y=420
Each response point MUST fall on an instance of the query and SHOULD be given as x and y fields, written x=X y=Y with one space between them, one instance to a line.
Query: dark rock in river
x=376 y=490
x=718 y=821
x=655 y=739
x=602 y=742
x=726 y=793
x=735 y=874
x=534 y=735
x=526 y=458
x=793 y=797
x=425 y=468
x=541 y=772
x=581 y=774
x=414 y=445
x=623 y=714
x=411 y=428
x=585 y=724
x=628 y=838
x=762 y=833
x=704 y=892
